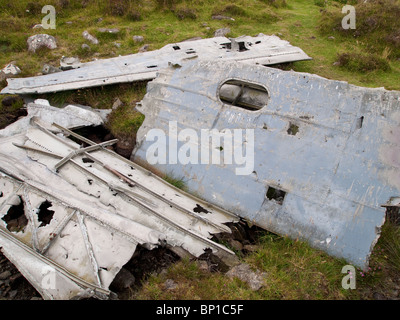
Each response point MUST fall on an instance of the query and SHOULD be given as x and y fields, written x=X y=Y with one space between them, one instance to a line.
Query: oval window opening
x=243 y=94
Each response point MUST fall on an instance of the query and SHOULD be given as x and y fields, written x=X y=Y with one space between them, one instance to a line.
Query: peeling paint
x=332 y=147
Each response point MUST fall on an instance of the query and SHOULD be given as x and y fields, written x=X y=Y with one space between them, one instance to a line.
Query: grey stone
x=12 y=294
x=255 y=280
x=5 y=275
x=38 y=41
x=144 y=48
x=138 y=38
x=117 y=103
x=11 y=70
x=85 y=46
x=170 y=284
x=220 y=17
x=222 y=32
x=89 y=37
x=104 y=30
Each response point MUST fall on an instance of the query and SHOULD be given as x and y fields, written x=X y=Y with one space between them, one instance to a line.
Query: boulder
x=38 y=41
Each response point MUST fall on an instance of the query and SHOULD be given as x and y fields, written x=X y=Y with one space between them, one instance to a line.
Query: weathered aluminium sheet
x=72 y=216
x=262 y=49
x=326 y=154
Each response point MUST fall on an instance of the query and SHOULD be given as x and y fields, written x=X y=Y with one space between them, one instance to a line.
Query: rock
x=117 y=103
x=203 y=265
x=222 y=32
x=379 y=296
x=337 y=63
x=104 y=30
x=9 y=71
x=170 y=284
x=219 y=17
x=5 y=275
x=89 y=37
x=236 y=245
x=8 y=101
x=144 y=48
x=47 y=69
x=137 y=39
x=250 y=247
x=38 y=41
x=124 y=279
x=38 y=26
x=117 y=44
x=124 y=148
x=331 y=38
x=85 y=46
x=255 y=280
x=12 y=294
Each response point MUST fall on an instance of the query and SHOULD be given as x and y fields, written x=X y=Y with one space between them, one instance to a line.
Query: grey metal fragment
x=67 y=63
x=50 y=69
x=326 y=153
x=102 y=207
x=71 y=116
x=262 y=49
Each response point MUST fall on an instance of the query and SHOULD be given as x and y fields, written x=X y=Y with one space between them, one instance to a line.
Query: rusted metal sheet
x=71 y=217
x=325 y=153
x=262 y=49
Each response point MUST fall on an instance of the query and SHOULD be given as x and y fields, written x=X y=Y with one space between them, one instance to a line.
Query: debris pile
x=80 y=210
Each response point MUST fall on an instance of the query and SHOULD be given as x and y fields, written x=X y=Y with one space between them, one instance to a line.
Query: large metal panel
x=328 y=148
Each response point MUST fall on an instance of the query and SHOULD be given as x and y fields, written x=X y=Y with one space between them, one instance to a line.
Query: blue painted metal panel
x=341 y=166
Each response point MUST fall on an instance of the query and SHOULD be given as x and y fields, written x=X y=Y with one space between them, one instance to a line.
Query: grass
x=176 y=182
x=367 y=56
x=294 y=271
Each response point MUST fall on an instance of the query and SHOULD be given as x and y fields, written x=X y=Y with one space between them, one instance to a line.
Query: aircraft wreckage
x=72 y=216
x=262 y=49
x=293 y=153
x=300 y=155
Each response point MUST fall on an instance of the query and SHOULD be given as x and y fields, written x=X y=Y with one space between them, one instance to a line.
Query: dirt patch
x=11 y=109
x=13 y=286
